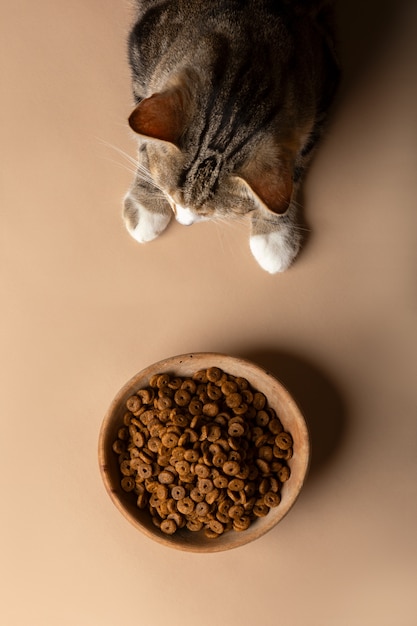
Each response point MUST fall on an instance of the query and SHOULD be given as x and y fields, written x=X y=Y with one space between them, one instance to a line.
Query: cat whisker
x=138 y=169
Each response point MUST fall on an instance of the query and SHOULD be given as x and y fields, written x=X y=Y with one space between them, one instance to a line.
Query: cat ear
x=273 y=188
x=161 y=116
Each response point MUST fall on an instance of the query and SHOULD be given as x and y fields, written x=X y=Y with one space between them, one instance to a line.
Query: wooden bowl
x=186 y=365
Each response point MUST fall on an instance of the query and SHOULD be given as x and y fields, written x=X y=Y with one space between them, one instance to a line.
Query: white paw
x=142 y=224
x=273 y=251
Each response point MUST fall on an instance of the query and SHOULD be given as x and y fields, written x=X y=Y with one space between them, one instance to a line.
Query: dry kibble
x=134 y=403
x=283 y=440
x=168 y=526
x=128 y=483
x=204 y=452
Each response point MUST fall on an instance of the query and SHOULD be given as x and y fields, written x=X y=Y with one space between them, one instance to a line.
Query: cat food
x=205 y=452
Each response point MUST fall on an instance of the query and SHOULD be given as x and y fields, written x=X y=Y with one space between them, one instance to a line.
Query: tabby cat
x=231 y=97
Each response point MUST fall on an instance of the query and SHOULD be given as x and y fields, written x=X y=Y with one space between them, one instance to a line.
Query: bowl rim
x=256 y=529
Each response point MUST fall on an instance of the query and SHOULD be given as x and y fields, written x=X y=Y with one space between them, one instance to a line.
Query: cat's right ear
x=162 y=116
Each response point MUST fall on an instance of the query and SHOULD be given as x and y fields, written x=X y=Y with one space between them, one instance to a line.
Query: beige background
x=84 y=307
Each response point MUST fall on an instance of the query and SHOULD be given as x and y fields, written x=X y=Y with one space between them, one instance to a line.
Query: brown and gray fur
x=231 y=98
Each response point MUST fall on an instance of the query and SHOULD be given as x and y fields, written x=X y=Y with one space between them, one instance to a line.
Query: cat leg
x=274 y=239
x=145 y=216
x=146 y=211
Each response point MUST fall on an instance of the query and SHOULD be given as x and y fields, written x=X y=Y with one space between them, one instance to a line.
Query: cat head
x=208 y=167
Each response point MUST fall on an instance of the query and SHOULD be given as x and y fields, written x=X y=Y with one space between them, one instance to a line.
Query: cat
x=231 y=97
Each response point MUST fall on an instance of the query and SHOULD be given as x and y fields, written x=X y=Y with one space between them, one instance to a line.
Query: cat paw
x=274 y=251
x=143 y=224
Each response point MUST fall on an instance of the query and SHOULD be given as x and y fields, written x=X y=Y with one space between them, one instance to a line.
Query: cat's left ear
x=162 y=116
x=272 y=187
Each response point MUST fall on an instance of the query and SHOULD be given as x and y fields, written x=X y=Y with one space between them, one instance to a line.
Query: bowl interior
x=186 y=365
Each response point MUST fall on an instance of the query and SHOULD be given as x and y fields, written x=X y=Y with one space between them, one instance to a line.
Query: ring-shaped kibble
x=179 y=419
x=236 y=484
x=284 y=473
x=200 y=376
x=201 y=470
x=165 y=402
x=266 y=453
x=228 y=387
x=191 y=455
x=212 y=496
x=247 y=395
x=213 y=392
x=220 y=482
x=125 y=468
x=205 y=485
x=146 y=395
x=214 y=434
x=194 y=525
x=260 y=510
x=224 y=506
x=123 y=433
x=244 y=471
x=195 y=407
x=263 y=466
x=259 y=400
x=128 y=483
x=241 y=523
x=166 y=477
x=241 y=382
x=271 y=499
x=214 y=374
x=275 y=426
x=142 y=500
x=133 y=403
x=189 y=385
x=138 y=439
x=241 y=409
x=154 y=444
x=146 y=456
x=191 y=433
x=196 y=495
x=164 y=460
x=168 y=526
x=170 y=440
x=262 y=418
x=161 y=492
x=182 y=467
x=233 y=400
x=216 y=526
x=202 y=508
x=264 y=486
x=279 y=453
x=260 y=440
x=162 y=380
x=231 y=468
x=288 y=454
x=182 y=397
x=236 y=429
x=175 y=382
x=283 y=440
x=236 y=511
x=178 y=492
x=219 y=459
x=144 y=470
x=177 y=454
x=209 y=533
x=118 y=446
x=185 y=506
